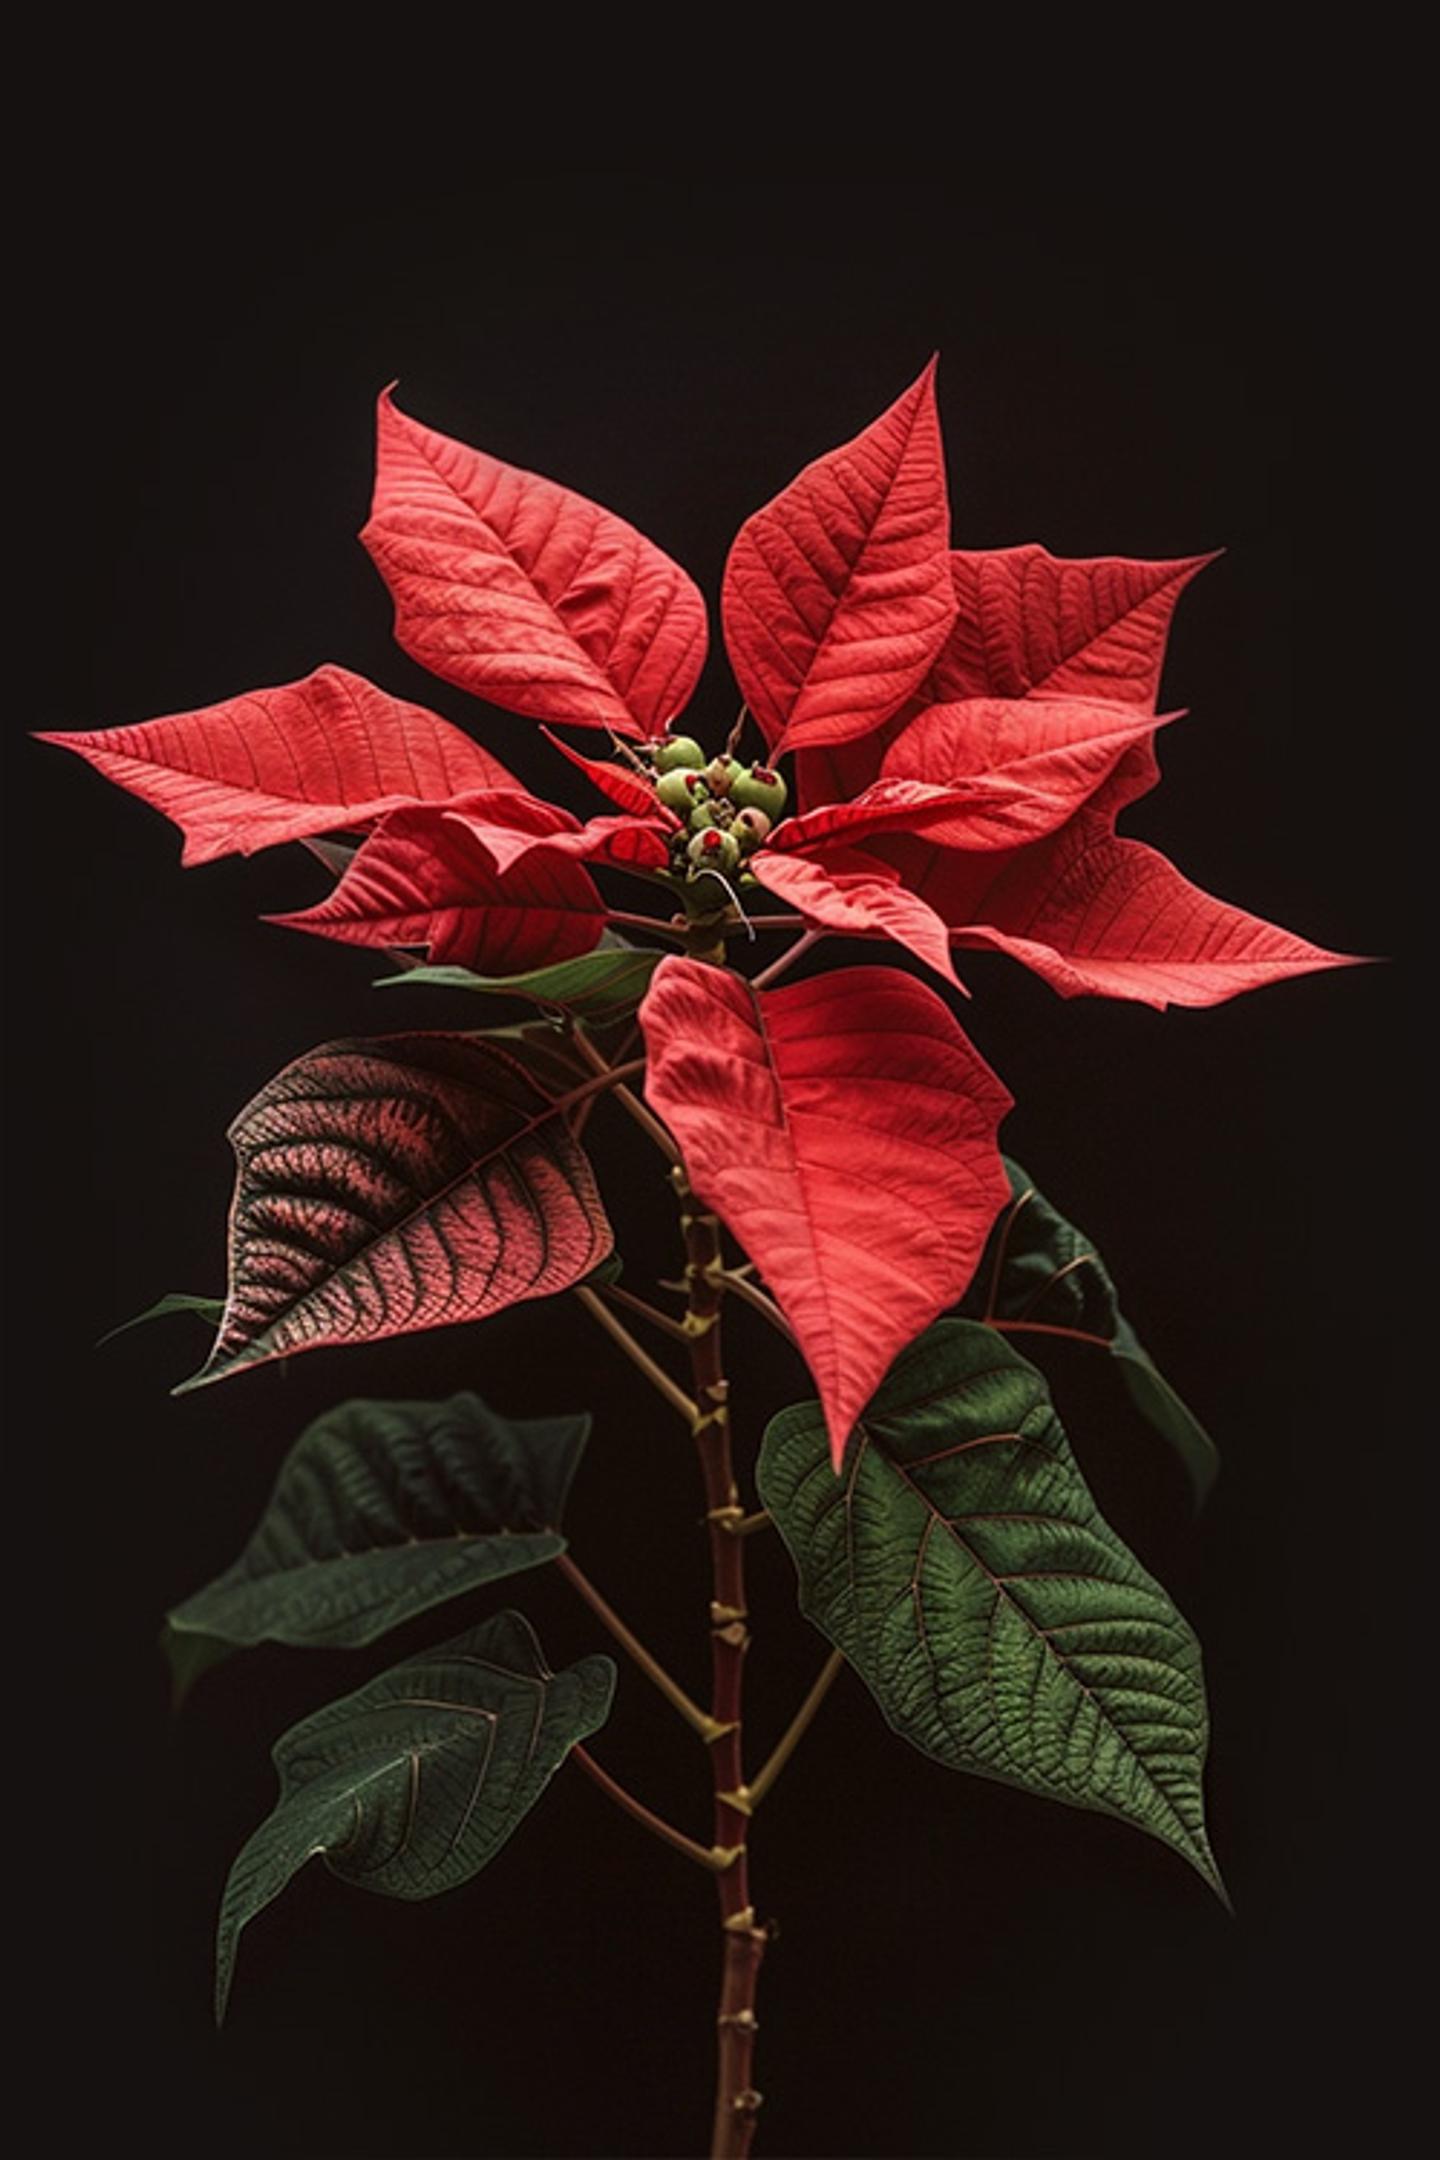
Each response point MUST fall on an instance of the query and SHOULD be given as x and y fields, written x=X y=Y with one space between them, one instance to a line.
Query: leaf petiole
x=700 y=1720
x=639 y=1357
x=796 y=1730
x=710 y=1857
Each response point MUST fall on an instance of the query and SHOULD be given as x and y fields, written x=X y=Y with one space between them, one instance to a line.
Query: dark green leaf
x=189 y=1657
x=1040 y=1275
x=207 y=1308
x=962 y=1566
x=410 y=1785
x=600 y=986
x=382 y=1510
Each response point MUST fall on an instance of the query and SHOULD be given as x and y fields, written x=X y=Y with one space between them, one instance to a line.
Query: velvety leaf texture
x=525 y=593
x=321 y=755
x=1040 y=1275
x=1097 y=915
x=385 y=1509
x=855 y=895
x=844 y=1129
x=411 y=1785
x=399 y=1183
x=424 y=879
x=1027 y=621
x=962 y=1566
x=838 y=595
x=1063 y=747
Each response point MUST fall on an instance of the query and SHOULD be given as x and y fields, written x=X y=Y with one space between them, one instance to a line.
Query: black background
x=960 y=1969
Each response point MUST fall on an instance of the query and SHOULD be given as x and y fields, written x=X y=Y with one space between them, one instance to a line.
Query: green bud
x=678 y=750
x=680 y=789
x=714 y=850
x=722 y=773
x=702 y=816
x=760 y=789
x=750 y=828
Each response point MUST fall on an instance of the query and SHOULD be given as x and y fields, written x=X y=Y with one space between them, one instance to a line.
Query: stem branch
x=638 y=1356
x=616 y=1074
x=751 y=1294
x=654 y=1823
x=787 y=959
x=665 y=1321
x=653 y=1670
x=797 y=1728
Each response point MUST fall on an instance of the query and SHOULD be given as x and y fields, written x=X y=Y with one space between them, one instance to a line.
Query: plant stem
x=654 y=1823
x=796 y=1729
x=665 y=1321
x=602 y=1068
x=787 y=959
x=651 y=1667
x=638 y=1356
x=652 y=923
x=736 y=2100
x=751 y=1294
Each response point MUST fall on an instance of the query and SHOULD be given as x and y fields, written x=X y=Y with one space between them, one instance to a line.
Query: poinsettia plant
x=932 y=752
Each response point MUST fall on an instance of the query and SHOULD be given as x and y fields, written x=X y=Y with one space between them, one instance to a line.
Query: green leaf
x=961 y=1564
x=189 y=1657
x=600 y=986
x=381 y=1511
x=410 y=1785
x=1040 y=1275
x=208 y=1308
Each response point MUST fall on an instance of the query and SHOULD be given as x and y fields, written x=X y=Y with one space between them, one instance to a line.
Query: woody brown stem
x=736 y=2100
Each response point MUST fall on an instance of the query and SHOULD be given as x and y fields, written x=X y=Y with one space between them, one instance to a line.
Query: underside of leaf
x=394 y=1184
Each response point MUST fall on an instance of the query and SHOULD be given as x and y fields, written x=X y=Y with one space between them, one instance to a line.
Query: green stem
x=666 y=1323
x=750 y=1294
x=631 y=1644
x=639 y=1357
x=797 y=1728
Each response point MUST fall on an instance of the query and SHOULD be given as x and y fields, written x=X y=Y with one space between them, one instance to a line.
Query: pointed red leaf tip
x=422 y=879
x=857 y=895
x=324 y=754
x=838 y=595
x=844 y=1130
x=632 y=790
x=524 y=593
x=1031 y=623
x=1028 y=624
x=1096 y=915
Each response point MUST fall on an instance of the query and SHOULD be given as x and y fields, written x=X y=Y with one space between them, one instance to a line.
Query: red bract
x=968 y=726
x=837 y=595
x=524 y=593
x=844 y=1129
x=326 y=754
